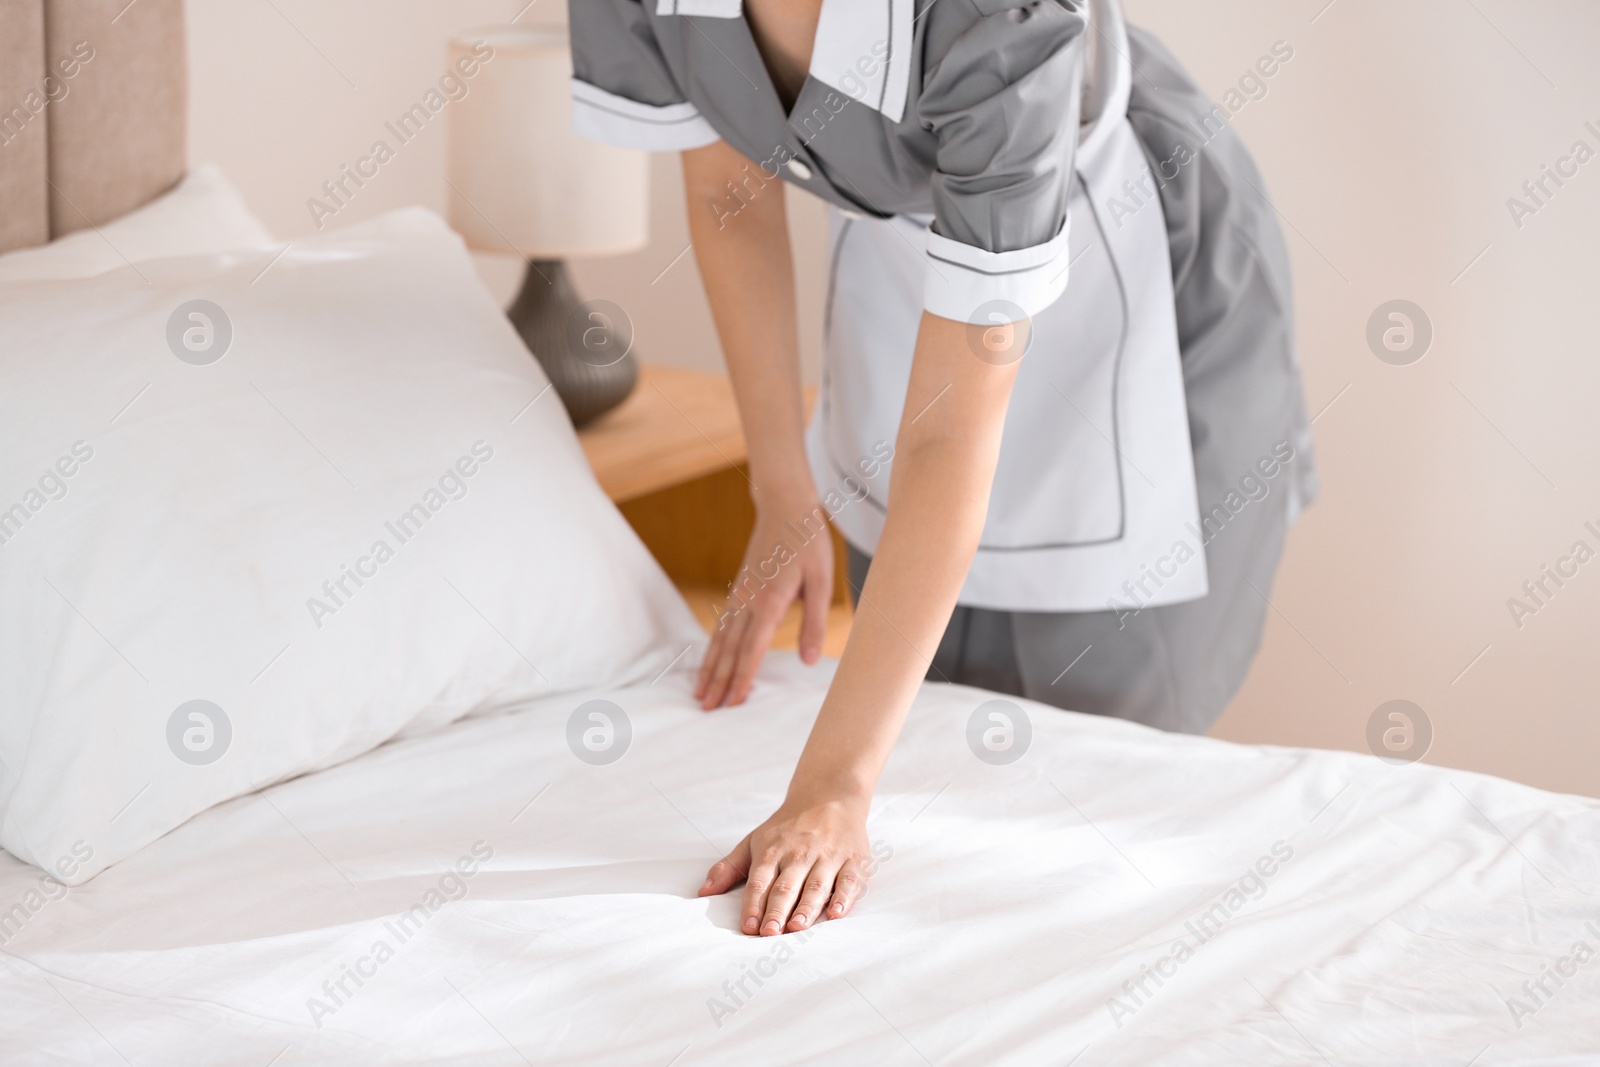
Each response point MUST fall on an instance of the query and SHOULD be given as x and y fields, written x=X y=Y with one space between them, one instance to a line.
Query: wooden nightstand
x=673 y=458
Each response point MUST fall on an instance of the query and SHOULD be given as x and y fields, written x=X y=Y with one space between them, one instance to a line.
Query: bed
x=483 y=888
x=1336 y=908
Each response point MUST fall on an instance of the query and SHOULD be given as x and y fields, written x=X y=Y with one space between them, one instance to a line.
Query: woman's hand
x=778 y=567
x=808 y=862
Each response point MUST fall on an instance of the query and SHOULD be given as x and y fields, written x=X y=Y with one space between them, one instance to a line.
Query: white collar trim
x=863 y=47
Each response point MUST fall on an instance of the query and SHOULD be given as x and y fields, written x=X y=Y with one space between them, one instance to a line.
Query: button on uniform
x=799 y=170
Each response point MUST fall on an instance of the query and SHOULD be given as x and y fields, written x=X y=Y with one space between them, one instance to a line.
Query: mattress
x=480 y=895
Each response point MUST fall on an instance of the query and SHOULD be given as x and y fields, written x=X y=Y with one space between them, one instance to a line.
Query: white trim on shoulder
x=963 y=279
x=615 y=120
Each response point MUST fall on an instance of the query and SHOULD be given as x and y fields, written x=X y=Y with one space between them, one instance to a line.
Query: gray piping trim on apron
x=888 y=60
x=1116 y=384
x=833 y=282
x=828 y=328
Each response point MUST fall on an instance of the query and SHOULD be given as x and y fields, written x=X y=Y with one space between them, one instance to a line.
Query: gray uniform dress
x=965 y=118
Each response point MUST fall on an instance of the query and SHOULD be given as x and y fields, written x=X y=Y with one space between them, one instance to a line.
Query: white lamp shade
x=521 y=180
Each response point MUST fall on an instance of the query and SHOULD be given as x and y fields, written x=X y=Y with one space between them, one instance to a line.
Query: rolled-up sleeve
x=623 y=93
x=1003 y=100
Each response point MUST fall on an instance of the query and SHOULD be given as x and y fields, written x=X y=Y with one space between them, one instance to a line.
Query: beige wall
x=1390 y=143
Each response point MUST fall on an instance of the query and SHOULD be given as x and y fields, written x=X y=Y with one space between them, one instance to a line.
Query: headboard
x=93 y=101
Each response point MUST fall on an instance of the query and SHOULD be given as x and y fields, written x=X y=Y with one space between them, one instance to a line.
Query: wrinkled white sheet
x=1011 y=905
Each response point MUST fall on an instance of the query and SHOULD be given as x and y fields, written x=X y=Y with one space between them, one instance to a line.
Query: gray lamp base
x=584 y=346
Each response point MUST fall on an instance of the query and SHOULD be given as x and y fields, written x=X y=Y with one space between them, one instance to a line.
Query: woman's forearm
x=739 y=229
x=945 y=456
x=741 y=242
x=808 y=860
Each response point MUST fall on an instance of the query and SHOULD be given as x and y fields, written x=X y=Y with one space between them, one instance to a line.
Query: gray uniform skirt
x=1176 y=667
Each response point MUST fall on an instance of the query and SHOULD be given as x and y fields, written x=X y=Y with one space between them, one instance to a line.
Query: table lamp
x=522 y=182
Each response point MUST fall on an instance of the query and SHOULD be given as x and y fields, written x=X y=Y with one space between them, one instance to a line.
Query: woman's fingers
x=722 y=667
x=749 y=622
x=818 y=593
x=848 y=886
x=814 y=895
x=752 y=647
x=791 y=876
x=763 y=872
x=806 y=863
x=727 y=872
x=720 y=643
x=708 y=665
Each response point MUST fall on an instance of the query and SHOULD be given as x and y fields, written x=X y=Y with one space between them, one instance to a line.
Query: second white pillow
x=202 y=214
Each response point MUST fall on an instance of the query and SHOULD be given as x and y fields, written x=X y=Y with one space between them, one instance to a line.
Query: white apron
x=1094 y=499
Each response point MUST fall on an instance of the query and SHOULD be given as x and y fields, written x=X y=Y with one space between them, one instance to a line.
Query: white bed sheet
x=1011 y=905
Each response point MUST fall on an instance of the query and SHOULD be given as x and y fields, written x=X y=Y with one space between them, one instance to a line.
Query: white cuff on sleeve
x=964 y=282
x=616 y=120
x=713 y=9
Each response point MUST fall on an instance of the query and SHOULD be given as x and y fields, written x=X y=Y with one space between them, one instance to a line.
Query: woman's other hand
x=789 y=557
x=810 y=861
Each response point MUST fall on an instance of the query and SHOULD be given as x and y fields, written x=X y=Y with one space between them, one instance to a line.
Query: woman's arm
x=811 y=854
x=741 y=243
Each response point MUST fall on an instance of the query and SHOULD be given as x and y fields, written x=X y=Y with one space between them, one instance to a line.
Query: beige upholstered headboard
x=93 y=100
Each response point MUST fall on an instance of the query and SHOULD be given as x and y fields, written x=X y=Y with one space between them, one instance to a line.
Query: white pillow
x=176 y=531
x=203 y=213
